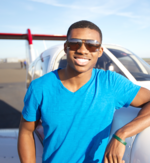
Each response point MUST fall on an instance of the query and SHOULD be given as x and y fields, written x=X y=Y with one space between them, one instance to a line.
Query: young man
x=76 y=106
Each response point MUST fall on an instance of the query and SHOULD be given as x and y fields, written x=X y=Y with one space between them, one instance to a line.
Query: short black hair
x=84 y=24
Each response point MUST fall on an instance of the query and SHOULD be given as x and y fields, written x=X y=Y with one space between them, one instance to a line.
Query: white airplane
x=114 y=58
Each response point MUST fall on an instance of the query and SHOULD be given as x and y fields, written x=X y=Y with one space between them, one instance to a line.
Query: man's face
x=82 y=59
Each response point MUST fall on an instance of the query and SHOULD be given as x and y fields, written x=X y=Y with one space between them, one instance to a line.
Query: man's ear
x=100 y=52
x=65 y=47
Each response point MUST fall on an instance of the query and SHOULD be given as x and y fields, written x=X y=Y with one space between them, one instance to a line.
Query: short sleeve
x=31 y=109
x=124 y=91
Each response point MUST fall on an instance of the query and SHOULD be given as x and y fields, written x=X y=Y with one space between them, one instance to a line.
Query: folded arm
x=115 y=150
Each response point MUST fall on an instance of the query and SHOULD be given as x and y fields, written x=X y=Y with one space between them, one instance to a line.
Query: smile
x=81 y=61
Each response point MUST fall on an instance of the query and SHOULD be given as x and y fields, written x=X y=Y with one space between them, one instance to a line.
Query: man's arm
x=142 y=120
x=115 y=150
x=26 y=144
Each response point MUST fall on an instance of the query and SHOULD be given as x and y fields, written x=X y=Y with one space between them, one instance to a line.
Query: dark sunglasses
x=91 y=45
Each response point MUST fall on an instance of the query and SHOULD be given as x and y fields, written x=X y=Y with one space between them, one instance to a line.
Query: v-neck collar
x=80 y=89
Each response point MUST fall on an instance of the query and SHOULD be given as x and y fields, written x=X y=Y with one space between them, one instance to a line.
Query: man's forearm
x=26 y=148
x=137 y=125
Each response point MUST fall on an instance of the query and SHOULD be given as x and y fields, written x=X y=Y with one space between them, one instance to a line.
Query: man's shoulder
x=45 y=80
x=105 y=73
x=108 y=76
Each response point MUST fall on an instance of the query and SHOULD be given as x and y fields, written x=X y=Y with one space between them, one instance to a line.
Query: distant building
x=8 y=60
x=2 y=60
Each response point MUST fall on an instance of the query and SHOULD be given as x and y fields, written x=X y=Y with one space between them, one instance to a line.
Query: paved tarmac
x=12 y=91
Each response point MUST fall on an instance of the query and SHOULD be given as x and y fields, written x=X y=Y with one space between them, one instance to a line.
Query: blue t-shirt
x=77 y=124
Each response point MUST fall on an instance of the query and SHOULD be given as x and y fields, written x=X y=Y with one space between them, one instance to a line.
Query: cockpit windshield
x=135 y=65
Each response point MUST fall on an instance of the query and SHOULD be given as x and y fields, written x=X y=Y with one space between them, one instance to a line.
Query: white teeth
x=82 y=60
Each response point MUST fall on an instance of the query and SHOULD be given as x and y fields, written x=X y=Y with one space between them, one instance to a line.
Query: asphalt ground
x=12 y=91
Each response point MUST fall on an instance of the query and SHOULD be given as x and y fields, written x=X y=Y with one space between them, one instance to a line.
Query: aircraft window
x=38 y=70
x=45 y=62
x=136 y=66
x=63 y=62
x=105 y=63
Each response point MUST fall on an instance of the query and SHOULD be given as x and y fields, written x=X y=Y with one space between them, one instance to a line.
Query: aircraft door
x=141 y=147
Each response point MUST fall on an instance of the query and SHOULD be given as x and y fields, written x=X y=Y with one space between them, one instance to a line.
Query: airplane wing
x=20 y=36
x=29 y=37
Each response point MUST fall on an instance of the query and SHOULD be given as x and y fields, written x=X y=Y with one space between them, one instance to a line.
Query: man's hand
x=114 y=152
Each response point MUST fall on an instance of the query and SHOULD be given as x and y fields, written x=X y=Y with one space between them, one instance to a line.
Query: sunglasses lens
x=91 y=45
x=74 y=44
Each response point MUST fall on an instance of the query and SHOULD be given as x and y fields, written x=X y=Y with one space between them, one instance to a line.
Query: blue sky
x=125 y=23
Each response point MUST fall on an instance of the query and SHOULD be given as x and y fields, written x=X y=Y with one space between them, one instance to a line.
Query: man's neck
x=73 y=80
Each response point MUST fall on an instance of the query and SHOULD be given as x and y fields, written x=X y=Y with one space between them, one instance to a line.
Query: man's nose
x=82 y=49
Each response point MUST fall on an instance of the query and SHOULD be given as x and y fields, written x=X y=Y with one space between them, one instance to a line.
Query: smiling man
x=77 y=104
